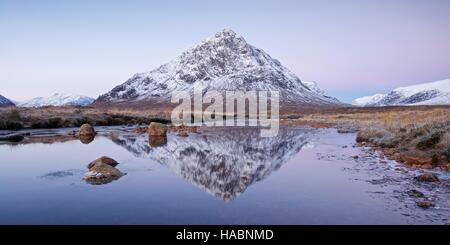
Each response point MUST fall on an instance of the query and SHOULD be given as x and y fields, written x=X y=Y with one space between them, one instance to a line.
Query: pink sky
x=351 y=48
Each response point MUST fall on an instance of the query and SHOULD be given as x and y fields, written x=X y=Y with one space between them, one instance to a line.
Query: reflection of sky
x=350 y=48
x=42 y=183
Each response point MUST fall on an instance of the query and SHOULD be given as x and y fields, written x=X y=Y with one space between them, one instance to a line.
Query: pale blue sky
x=351 y=48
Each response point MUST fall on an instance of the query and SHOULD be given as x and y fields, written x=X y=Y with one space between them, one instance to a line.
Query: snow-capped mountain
x=222 y=62
x=434 y=93
x=5 y=102
x=368 y=100
x=58 y=99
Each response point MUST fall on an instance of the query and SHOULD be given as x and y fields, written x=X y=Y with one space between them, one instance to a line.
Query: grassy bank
x=70 y=116
x=418 y=136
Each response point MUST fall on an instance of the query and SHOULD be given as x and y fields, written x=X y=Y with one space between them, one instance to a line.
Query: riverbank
x=14 y=118
x=416 y=136
x=298 y=175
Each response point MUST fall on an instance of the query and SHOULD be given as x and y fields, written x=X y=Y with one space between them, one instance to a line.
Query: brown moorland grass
x=419 y=136
x=73 y=116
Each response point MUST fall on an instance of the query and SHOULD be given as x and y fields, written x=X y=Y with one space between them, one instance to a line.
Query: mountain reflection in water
x=223 y=162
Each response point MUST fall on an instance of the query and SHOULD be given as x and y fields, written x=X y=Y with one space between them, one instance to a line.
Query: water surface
x=219 y=176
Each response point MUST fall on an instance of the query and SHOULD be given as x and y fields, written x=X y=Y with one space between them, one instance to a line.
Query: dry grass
x=417 y=131
x=388 y=117
x=420 y=131
x=71 y=116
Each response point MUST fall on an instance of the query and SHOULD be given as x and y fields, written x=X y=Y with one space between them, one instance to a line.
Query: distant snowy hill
x=224 y=62
x=314 y=87
x=58 y=99
x=434 y=93
x=5 y=102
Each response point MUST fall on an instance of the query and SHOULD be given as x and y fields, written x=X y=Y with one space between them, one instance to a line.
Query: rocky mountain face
x=215 y=163
x=58 y=99
x=434 y=93
x=222 y=62
x=5 y=102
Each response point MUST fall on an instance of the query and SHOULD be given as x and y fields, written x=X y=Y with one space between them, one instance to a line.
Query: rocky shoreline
x=416 y=137
x=410 y=160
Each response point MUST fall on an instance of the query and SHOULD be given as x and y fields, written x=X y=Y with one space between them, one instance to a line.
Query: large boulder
x=86 y=130
x=105 y=160
x=86 y=139
x=157 y=141
x=102 y=171
x=157 y=129
x=101 y=174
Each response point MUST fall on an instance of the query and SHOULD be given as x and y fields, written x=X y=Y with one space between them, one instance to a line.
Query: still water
x=303 y=176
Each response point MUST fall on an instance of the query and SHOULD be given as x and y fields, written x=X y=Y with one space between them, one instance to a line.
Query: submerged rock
x=415 y=193
x=157 y=129
x=427 y=177
x=100 y=172
x=12 y=137
x=86 y=130
x=58 y=174
x=425 y=204
x=105 y=160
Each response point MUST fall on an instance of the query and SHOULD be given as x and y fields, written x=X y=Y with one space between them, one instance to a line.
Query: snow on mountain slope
x=368 y=100
x=314 y=87
x=223 y=62
x=5 y=102
x=433 y=93
x=58 y=99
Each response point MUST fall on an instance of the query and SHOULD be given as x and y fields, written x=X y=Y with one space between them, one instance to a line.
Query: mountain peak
x=225 y=37
x=222 y=62
x=225 y=40
x=227 y=32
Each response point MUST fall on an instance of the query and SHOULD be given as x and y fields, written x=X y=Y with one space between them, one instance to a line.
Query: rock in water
x=415 y=193
x=157 y=141
x=157 y=129
x=427 y=177
x=86 y=130
x=105 y=160
x=425 y=204
x=86 y=139
x=102 y=173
